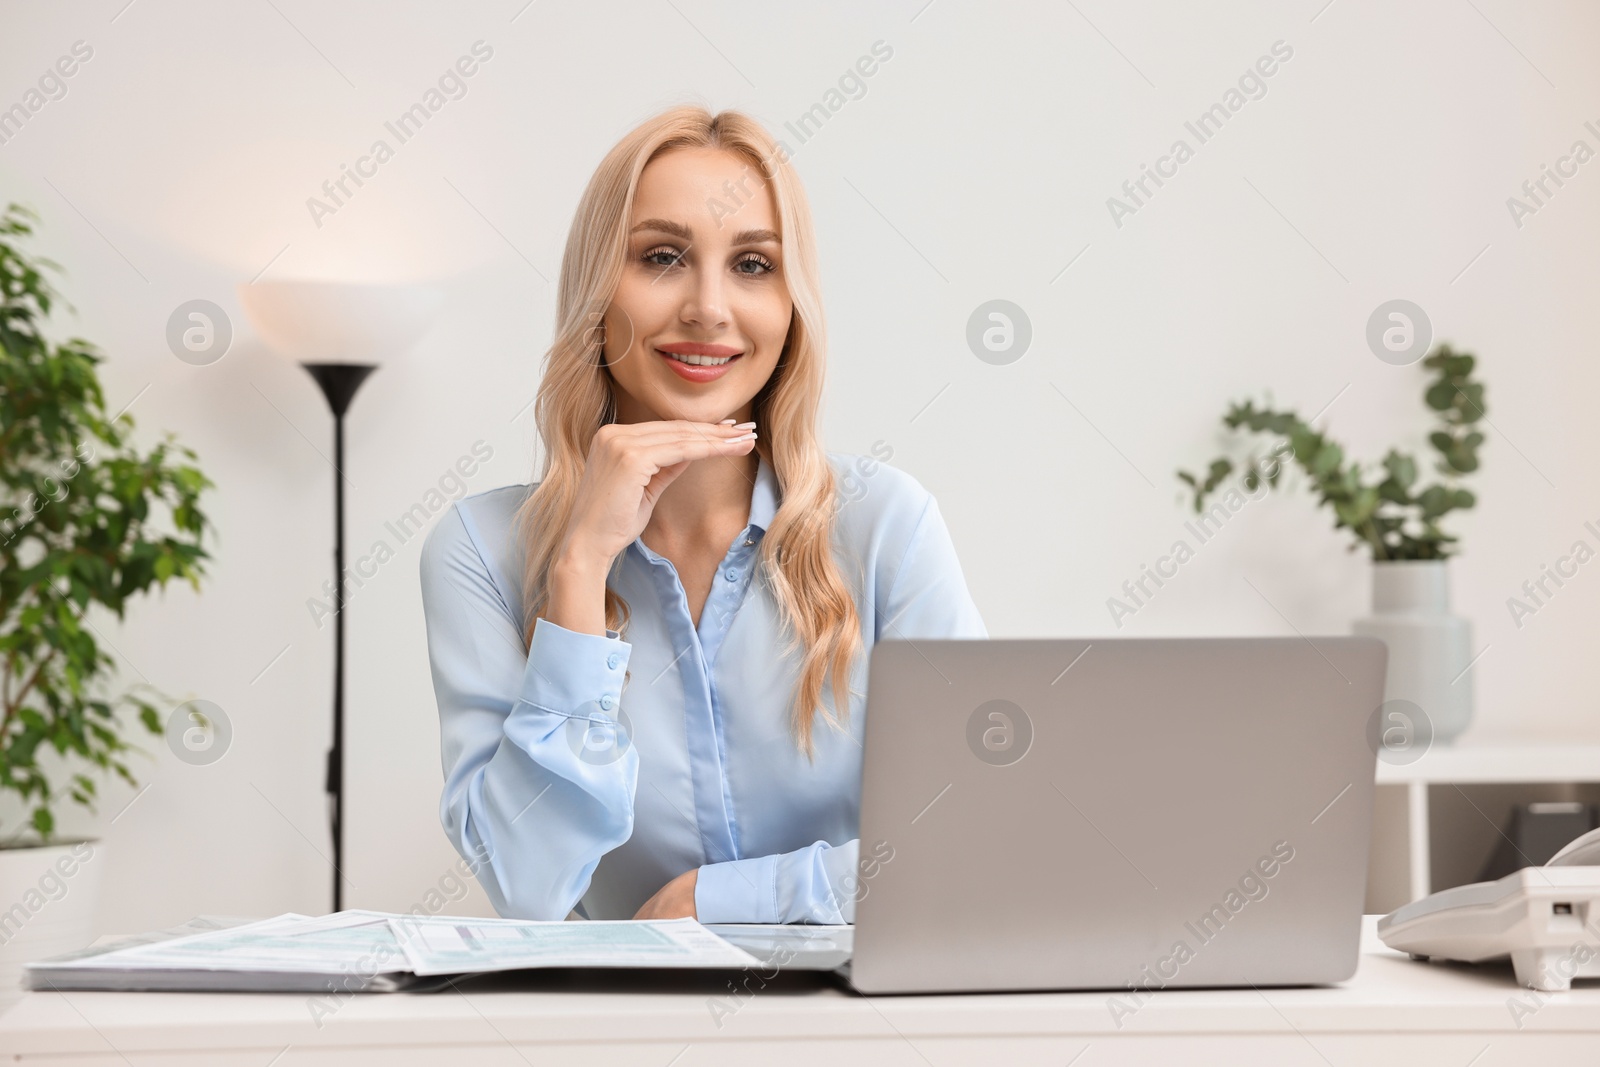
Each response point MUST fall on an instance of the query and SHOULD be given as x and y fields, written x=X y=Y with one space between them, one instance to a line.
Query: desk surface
x=1392 y=1011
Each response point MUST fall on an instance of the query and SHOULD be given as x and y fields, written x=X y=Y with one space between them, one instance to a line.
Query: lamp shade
x=334 y=322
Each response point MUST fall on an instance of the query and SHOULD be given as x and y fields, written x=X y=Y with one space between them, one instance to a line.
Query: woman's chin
x=711 y=402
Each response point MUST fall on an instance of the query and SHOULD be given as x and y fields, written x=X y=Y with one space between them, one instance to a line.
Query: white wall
x=976 y=166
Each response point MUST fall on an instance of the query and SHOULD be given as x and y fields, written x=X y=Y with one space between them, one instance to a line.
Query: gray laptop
x=1117 y=813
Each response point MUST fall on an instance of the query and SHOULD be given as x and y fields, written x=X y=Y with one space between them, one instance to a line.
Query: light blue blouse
x=589 y=771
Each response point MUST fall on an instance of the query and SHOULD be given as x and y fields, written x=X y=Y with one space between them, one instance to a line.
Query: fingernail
x=725 y=422
x=751 y=436
x=745 y=426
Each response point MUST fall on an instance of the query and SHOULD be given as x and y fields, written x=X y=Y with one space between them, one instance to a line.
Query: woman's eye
x=662 y=257
x=761 y=263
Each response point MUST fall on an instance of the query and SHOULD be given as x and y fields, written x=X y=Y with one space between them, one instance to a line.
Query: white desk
x=1393 y=1012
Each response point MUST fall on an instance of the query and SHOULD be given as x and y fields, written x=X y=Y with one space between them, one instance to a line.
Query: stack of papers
x=373 y=951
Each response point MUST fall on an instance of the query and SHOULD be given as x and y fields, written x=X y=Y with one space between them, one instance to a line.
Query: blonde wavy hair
x=575 y=399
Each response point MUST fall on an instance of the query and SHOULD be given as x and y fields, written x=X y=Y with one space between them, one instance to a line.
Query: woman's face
x=703 y=280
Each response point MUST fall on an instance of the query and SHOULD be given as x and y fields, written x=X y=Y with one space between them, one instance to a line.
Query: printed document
x=373 y=942
x=444 y=945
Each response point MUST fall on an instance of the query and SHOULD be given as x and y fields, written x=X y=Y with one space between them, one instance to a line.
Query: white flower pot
x=48 y=895
x=1429 y=647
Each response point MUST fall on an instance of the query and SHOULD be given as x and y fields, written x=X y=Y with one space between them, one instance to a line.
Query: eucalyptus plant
x=81 y=516
x=1389 y=512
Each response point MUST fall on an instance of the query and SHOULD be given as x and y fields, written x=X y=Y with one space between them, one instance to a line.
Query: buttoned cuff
x=574 y=673
x=738 y=891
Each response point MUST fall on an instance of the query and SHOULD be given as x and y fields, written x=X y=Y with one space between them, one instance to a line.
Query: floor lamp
x=340 y=334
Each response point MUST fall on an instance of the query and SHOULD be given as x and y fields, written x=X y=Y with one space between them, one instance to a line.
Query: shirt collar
x=764 y=497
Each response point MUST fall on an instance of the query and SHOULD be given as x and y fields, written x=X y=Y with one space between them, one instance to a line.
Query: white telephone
x=1547 y=919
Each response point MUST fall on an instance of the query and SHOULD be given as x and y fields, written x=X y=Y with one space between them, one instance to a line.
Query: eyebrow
x=743 y=237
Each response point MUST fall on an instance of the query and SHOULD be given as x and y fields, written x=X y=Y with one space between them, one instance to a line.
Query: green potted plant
x=87 y=521
x=1397 y=520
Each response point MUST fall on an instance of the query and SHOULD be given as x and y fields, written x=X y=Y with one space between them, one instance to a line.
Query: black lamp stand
x=339 y=382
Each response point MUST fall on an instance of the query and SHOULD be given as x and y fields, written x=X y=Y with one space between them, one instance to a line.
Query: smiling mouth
x=699 y=361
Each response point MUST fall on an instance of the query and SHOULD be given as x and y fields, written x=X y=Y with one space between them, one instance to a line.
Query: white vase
x=48 y=896
x=1429 y=647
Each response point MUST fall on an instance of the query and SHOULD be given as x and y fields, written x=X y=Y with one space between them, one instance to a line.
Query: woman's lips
x=704 y=372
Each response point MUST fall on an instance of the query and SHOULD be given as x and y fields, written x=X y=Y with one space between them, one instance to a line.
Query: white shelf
x=1425 y=839
x=1465 y=763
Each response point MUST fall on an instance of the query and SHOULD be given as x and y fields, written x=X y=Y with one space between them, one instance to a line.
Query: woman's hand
x=629 y=466
x=675 y=899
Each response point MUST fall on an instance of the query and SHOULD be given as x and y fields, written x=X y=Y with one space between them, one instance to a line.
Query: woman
x=631 y=655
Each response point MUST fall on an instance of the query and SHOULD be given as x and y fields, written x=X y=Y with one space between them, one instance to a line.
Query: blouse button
x=731 y=575
x=607 y=703
x=612 y=660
